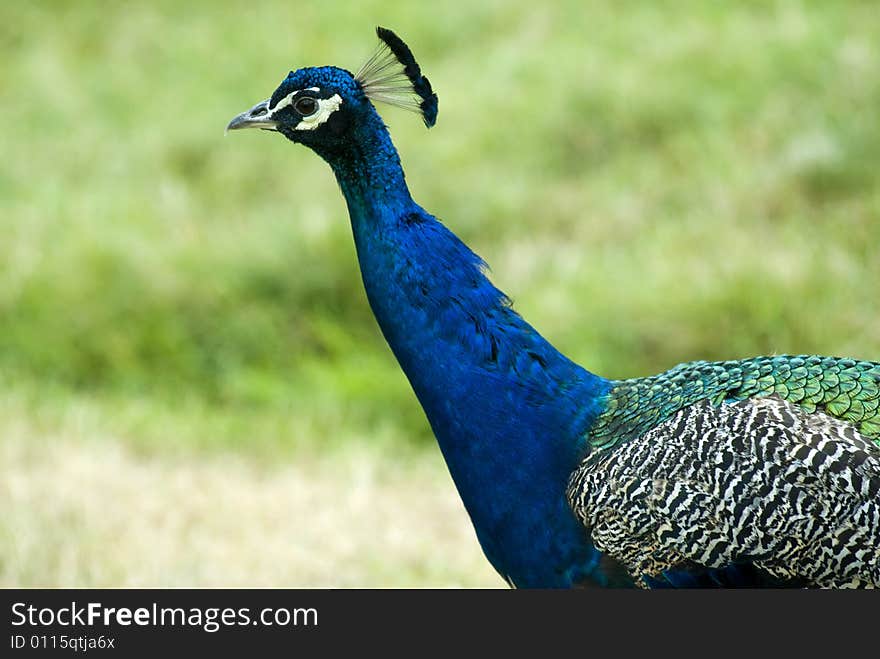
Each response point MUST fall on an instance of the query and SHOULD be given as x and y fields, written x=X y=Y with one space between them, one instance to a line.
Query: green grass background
x=194 y=391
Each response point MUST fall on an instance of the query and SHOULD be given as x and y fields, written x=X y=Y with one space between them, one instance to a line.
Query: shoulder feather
x=758 y=481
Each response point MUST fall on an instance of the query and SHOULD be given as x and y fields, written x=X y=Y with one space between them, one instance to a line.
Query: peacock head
x=321 y=106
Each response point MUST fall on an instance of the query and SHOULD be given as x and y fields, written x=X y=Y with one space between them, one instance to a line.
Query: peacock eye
x=306 y=106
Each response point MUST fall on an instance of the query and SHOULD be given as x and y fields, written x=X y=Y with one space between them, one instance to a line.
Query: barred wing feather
x=759 y=482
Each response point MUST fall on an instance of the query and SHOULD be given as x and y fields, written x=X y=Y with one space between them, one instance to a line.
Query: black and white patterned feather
x=758 y=482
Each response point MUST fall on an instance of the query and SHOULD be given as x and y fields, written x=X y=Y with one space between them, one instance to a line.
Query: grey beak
x=257 y=117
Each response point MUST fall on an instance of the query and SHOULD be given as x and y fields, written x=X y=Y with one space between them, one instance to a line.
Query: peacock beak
x=258 y=116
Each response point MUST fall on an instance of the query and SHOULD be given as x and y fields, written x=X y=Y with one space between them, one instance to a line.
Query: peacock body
x=758 y=472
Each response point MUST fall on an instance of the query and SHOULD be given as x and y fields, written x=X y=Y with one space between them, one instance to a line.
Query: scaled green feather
x=843 y=388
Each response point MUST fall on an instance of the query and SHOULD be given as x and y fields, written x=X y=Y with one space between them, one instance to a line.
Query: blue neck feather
x=508 y=410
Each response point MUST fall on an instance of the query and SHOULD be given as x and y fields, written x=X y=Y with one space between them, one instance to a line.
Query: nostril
x=259 y=111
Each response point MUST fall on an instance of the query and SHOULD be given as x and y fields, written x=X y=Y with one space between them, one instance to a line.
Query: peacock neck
x=508 y=410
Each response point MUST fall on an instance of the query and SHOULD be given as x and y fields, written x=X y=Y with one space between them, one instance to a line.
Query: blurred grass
x=651 y=182
x=89 y=512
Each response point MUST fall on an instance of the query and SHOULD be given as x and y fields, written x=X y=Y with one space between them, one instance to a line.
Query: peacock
x=761 y=472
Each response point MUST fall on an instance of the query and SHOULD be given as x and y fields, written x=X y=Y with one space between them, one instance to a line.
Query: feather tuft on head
x=393 y=76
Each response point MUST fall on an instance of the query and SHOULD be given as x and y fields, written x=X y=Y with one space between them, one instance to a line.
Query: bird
x=758 y=472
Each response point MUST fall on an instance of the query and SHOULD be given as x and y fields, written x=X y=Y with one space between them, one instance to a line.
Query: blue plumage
x=523 y=428
x=457 y=338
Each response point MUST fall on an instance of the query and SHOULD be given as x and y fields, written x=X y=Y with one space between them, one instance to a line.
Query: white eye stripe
x=287 y=100
x=326 y=107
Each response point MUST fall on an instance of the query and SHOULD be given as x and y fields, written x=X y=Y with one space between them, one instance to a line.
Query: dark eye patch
x=306 y=106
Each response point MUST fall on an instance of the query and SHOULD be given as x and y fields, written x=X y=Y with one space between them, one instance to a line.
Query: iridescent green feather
x=843 y=388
